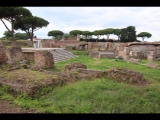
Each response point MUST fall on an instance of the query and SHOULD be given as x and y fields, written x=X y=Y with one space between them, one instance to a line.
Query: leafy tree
x=98 y=33
x=75 y=32
x=128 y=34
x=11 y=14
x=21 y=36
x=108 y=32
x=144 y=35
x=117 y=32
x=57 y=34
x=30 y=25
x=66 y=36
x=86 y=34
x=7 y=34
x=18 y=35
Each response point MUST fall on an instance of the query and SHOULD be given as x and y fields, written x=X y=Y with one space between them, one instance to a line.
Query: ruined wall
x=29 y=55
x=59 y=44
x=158 y=52
x=106 y=55
x=14 y=54
x=142 y=48
x=141 y=51
x=43 y=59
x=126 y=75
x=3 y=55
x=49 y=44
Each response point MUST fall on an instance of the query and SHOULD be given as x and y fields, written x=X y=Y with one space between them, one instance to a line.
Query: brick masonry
x=43 y=59
x=3 y=55
x=14 y=54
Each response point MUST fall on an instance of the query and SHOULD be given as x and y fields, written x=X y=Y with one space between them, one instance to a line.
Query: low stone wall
x=18 y=43
x=153 y=65
x=133 y=60
x=94 y=54
x=106 y=55
x=74 y=65
x=59 y=44
x=126 y=75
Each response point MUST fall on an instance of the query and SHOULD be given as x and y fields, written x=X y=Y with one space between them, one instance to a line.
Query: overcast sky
x=145 y=19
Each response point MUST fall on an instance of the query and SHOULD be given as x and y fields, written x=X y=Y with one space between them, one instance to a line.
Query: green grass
x=96 y=96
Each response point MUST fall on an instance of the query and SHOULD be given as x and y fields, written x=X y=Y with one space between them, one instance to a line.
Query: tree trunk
x=107 y=36
x=118 y=37
x=12 y=29
x=32 y=37
x=5 y=25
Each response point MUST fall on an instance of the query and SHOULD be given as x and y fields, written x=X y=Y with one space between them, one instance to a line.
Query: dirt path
x=9 y=107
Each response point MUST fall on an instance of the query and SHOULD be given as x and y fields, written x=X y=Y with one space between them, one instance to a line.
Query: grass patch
x=95 y=96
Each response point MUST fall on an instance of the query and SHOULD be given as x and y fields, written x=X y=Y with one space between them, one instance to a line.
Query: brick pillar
x=14 y=54
x=110 y=46
x=3 y=56
x=151 y=57
x=126 y=51
x=43 y=59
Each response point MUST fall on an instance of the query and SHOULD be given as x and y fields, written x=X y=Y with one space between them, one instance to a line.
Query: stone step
x=61 y=54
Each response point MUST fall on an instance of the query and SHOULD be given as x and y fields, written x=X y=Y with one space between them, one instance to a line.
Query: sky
x=65 y=19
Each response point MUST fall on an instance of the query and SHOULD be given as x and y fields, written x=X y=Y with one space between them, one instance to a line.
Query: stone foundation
x=106 y=55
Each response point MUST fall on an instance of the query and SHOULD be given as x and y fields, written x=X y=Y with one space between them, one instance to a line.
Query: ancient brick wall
x=49 y=44
x=158 y=52
x=14 y=54
x=142 y=48
x=43 y=59
x=59 y=44
x=126 y=75
x=3 y=55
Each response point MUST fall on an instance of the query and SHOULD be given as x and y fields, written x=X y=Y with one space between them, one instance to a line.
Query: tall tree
x=75 y=32
x=117 y=32
x=57 y=34
x=144 y=35
x=66 y=36
x=21 y=36
x=108 y=32
x=98 y=33
x=11 y=14
x=86 y=34
x=30 y=25
x=128 y=34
